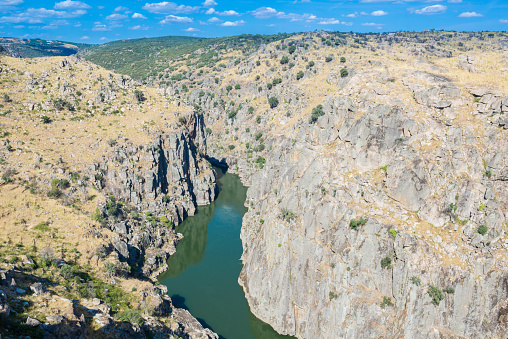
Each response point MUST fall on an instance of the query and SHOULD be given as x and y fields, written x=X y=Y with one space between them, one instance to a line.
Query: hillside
x=34 y=48
x=86 y=219
x=147 y=59
x=376 y=167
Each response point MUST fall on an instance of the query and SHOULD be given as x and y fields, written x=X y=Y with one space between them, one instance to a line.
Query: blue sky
x=91 y=21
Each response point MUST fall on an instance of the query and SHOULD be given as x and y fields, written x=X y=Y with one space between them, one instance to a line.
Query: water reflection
x=203 y=274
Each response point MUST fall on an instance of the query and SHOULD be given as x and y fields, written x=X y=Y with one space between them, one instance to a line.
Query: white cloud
x=177 y=19
x=430 y=10
x=85 y=37
x=116 y=17
x=100 y=7
x=104 y=38
x=469 y=15
x=228 y=13
x=139 y=27
x=371 y=24
x=353 y=15
x=98 y=27
x=191 y=29
x=35 y=15
x=333 y=21
x=214 y=20
x=169 y=8
x=121 y=9
x=19 y=26
x=455 y=1
x=209 y=3
x=138 y=16
x=9 y=5
x=210 y=11
x=233 y=23
x=70 y=4
x=503 y=21
x=379 y=13
x=266 y=12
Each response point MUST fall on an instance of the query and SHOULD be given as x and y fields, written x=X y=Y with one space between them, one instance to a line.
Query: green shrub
x=67 y=271
x=386 y=262
x=231 y=147
x=482 y=229
x=229 y=88
x=130 y=316
x=45 y=119
x=436 y=294
x=284 y=60
x=386 y=302
x=273 y=101
x=140 y=97
x=258 y=119
x=344 y=73
x=286 y=214
x=299 y=75
x=449 y=290
x=316 y=113
x=416 y=281
x=258 y=135
x=355 y=223
x=328 y=59
x=342 y=59
x=292 y=49
x=42 y=226
x=332 y=295
x=393 y=233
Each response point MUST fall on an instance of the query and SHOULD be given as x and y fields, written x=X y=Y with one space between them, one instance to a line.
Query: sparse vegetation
x=435 y=294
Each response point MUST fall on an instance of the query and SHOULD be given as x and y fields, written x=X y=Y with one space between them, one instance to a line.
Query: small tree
x=436 y=294
x=299 y=75
x=284 y=60
x=237 y=86
x=273 y=101
x=140 y=96
x=316 y=113
x=344 y=73
x=292 y=49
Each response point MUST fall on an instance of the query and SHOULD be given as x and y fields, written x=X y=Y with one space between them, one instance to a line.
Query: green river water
x=203 y=273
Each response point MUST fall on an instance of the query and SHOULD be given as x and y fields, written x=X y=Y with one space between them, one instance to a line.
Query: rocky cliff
x=377 y=200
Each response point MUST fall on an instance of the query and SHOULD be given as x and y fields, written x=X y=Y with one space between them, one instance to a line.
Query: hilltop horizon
x=92 y=22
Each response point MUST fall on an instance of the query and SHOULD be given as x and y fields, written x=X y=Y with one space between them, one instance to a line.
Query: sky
x=97 y=22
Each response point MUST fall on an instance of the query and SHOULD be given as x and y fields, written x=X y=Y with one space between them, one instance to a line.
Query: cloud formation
x=431 y=10
x=169 y=8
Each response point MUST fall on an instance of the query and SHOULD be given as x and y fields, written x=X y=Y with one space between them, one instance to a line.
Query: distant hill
x=148 y=58
x=33 y=48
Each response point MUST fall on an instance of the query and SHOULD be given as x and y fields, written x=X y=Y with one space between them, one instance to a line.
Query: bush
x=231 y=147
x=386 y=262
x=482 y=229
x=342 y=59
x=436 y=294
x=316 y=113
x=45 y=119
x=67 y=271
x=386 y=302
x=140 y=97
x=273 y=101
x=416 y=281
x=344 y=73
x=310 y=64
x=449 y=290
x=284 y=60
x=286 y=214
x=237 y=86
x=393 y=233
x=328 y=59
x=299 y=75
x=355 y=223
x=292 y=49
x=229 y=88
x=130 y=316
x=258 y=119
x=269 y=85
x=258 y=135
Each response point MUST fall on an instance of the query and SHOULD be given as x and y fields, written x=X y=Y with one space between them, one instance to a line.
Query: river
x=203 y=273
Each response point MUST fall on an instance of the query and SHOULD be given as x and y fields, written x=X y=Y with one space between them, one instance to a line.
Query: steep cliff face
x=381 y=214
x=311 y=272
x=164 y=181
